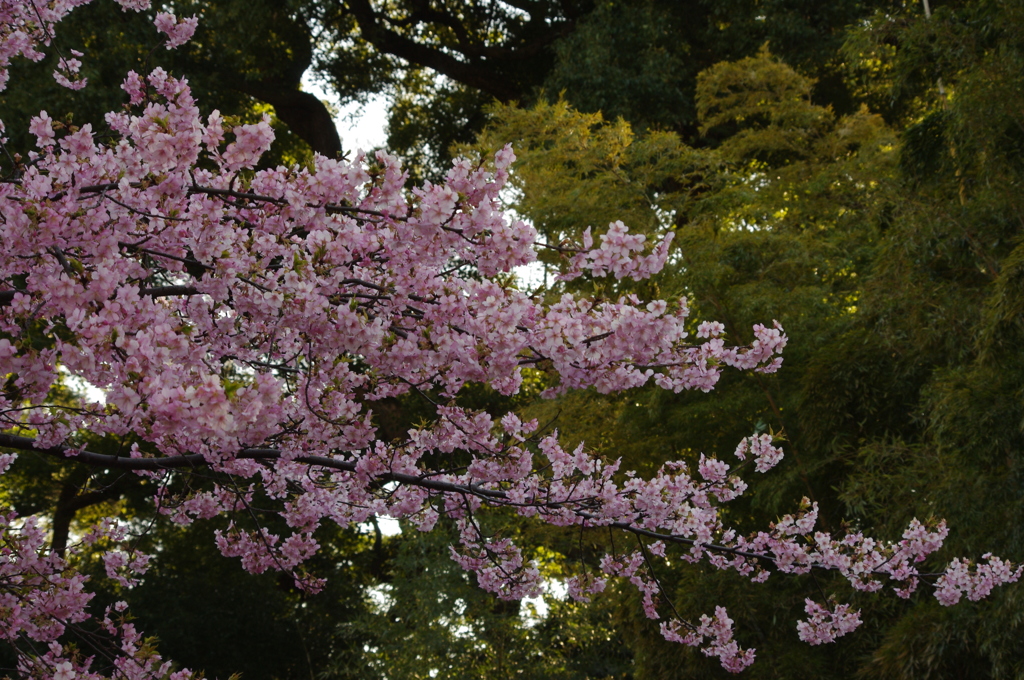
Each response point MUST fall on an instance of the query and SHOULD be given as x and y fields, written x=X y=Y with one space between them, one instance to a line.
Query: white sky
x=360 y=126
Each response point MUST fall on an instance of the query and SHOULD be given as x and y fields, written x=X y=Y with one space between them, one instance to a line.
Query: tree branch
x=68 y=505
x=195 y=460
x=302 y=112
x=477 y=75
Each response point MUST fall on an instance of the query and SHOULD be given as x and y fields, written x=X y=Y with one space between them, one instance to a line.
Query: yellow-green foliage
x=577 y=170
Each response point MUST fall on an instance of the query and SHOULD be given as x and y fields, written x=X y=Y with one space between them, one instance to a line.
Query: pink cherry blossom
x=178 y=32
x=824 y=624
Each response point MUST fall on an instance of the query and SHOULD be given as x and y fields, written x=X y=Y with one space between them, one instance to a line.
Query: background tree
x=851 y=231
x=776 y=220
x=442 y=63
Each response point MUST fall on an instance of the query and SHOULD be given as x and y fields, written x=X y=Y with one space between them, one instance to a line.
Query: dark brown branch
x=69 y=503
x=480 y=77
x=196 y=460
x=330 y=207
x=156 y=253
x=210 y=191
x=302 y=112
x=169 y=291
x=424 y=14
x=7 y=296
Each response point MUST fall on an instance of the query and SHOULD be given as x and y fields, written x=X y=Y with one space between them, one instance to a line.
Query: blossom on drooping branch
x=25 y=26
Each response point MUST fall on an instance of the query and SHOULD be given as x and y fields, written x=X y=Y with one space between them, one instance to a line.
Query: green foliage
x=210 y=615
x=640 y=60
x=629 y=60
x=575 y=170
x=892 y=259
x=428 y=115
x=453 y=630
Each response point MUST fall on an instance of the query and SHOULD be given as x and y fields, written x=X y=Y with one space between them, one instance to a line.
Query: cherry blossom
x=825 y=625
x=178 y=32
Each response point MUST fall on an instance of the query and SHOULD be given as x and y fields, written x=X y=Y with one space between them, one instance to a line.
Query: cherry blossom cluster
x=222 y=312
x=39 y=597
x=620 y=255
x=249 y=320
x=959 y=580
x=42 y=596
x=715 y=637
x=136 y=658
x=824 y=624
x=26 y=25
x=760 y=447
x=178 y=32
